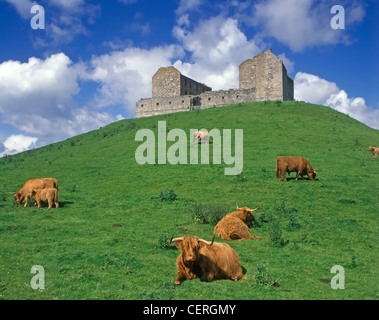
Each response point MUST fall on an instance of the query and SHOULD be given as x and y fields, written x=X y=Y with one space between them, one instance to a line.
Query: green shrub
x=276 y=235
x=262 y=277
x=209 y=214
x=168 y=195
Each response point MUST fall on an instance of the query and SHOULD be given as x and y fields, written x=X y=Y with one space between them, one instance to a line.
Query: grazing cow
x=50 y=195
x=375 y=151
x=206 y=260
x=200 y=136
x=233 y=225
x=34 y=184
x=294 y=164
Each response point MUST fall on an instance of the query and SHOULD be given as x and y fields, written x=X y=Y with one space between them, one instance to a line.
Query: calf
x=375 y=151
x=50 y=195
x=294 y=164
x=206 y=260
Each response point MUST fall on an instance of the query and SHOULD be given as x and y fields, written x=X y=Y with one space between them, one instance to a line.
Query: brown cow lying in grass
x=233 y=225
x=294 y=164
x=206 y=260
x=50 y=195
x=34 y=184
x=375 y=151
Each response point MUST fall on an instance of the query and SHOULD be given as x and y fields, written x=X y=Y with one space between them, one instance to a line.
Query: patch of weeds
x=265 y=217
x=293 y=222
x=276 y=236
x=164 y=240
x=209 y=214
x=353 y=263
x=168 y=195
x=240 y=177
x=263 y=277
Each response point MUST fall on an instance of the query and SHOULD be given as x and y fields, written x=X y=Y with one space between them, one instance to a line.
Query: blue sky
x=95 y=59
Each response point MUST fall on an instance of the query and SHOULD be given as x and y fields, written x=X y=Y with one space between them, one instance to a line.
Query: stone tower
x=169 y=82
x=267 y=74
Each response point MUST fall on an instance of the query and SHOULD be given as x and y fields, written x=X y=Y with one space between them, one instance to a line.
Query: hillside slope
x=108 y=238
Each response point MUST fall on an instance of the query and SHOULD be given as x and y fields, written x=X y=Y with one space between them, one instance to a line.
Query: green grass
x=107 y=240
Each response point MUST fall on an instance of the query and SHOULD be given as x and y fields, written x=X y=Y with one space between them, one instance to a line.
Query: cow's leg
x=26 y=201
x=297 y=175
x=284 y=176
x=39 y=203
x=180 y=278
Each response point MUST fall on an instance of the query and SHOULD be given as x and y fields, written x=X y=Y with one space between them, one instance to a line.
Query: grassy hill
x=108 y=239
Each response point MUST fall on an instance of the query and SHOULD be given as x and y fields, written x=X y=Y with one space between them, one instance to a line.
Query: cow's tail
x=277 y=169
x=56 y=199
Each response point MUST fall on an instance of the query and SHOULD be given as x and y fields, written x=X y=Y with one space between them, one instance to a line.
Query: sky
x=93 y=60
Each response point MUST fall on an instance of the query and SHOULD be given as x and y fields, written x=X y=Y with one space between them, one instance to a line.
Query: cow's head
x=189 y=247
x=246 y=214
x=312 y=174
x=19 y=197
x=371 y=148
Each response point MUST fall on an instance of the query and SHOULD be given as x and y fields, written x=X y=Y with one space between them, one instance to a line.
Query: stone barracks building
x=263 y=77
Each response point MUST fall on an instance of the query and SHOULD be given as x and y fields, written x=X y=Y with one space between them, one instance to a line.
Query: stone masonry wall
x=191 y=87
x=265 y=73
x=166 y=83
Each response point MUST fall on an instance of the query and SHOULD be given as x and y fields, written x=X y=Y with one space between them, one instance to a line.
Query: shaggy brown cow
x=294 y=164
x=50 y=195
x=200 y=136
x=34 y=184
x=206 y=260
x=375 y=151
x=233 y=225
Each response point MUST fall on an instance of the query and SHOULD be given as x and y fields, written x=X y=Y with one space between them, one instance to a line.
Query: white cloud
x=22 y=7
x=37 y=98
x=303 y=23
x=313 y=89
x=217 y=47
x=186 y=6
x=125 y=76
x=17 y=143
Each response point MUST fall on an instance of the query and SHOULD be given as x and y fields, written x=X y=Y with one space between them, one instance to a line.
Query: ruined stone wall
x=208 y=99
x=227 y=97
x=164 y=105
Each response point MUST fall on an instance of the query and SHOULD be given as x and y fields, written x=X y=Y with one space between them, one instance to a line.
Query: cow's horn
x=176 y=239
x=213 y=239
x=237 y=205
x=11 y=192
x=171 y=238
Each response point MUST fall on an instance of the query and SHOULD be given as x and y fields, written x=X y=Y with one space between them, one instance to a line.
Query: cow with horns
x=206 y=260
x=234 y=225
